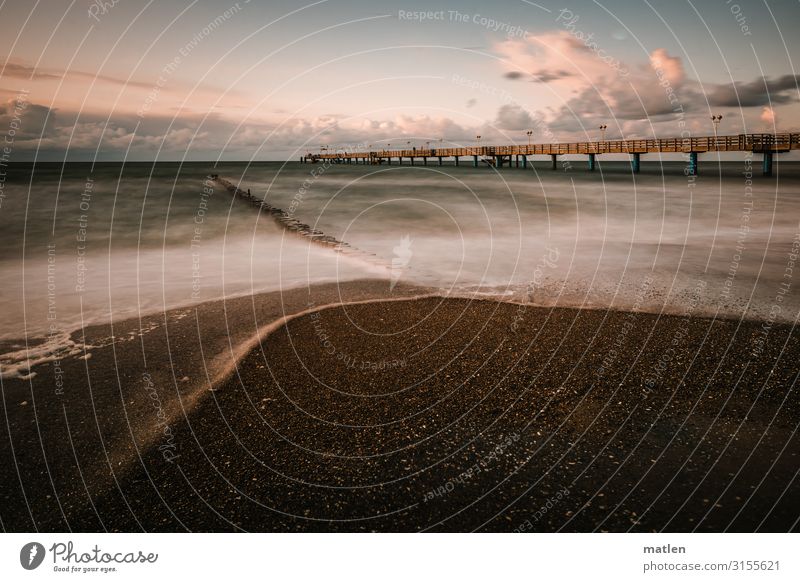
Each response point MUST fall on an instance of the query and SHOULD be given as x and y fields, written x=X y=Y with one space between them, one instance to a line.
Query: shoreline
x=16 y=359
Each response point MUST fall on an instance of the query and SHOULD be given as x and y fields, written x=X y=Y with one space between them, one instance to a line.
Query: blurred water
x=655 y=241
x=720 y=243
x=90 y=245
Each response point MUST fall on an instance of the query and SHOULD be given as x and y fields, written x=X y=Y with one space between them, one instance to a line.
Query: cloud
x=30 y=121
x=757 y=93
x=513 y=117
x=667 y=67
x=768 y=116
x=540 y=76
x=108 y=79
x=648 y=92
x=548 y=76
x=596 y=88
x=20 y=71
x=554 y=57
x=590 y=81
x=203 y=137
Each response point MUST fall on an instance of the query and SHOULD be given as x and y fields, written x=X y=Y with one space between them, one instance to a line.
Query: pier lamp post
x=529 y=133
x=477 y=137
x=715 y=119
x=602 y=129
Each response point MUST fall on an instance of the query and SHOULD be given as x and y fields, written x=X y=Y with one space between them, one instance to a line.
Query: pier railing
x=754 y=142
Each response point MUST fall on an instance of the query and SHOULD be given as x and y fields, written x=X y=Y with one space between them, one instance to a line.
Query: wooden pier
x=765 y=144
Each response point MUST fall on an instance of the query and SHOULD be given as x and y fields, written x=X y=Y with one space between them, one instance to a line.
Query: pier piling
x=766 y=164
x=692 y=163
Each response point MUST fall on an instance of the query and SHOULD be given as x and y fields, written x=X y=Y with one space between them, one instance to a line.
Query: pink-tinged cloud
x=566 y=62
x=667 y=67
x=632 y=98
x=592 y=84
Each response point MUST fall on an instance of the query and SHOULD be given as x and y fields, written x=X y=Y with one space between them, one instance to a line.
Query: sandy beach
x=402 y=411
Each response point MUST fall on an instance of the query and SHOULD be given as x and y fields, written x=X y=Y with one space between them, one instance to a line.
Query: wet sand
x=408 y=415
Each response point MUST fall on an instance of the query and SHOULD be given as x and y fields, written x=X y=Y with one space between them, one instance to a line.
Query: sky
x=255 y=80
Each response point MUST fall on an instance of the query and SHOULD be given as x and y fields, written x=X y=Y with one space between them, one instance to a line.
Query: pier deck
x=767 y=144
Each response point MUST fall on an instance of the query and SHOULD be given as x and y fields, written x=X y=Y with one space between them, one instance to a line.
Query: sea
x=84 y=243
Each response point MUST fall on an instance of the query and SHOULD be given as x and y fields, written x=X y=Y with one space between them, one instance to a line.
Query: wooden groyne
x=294 y=226
x=283 y=218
